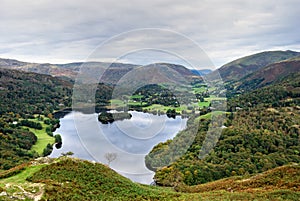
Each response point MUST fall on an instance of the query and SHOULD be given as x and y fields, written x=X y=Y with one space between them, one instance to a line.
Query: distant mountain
x=111 y=72
x=201 y=72
x=69 y=70
x=47 y=69
x=249 y=64
x=269 y=74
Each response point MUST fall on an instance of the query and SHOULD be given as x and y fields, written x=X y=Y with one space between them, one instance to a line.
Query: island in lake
x=107 y=117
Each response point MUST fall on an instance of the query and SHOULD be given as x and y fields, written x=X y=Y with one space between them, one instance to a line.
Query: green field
x=200 y=89
x=209 y=115
x=156 y=107
x=213 y=97
x=203 y=104
x=42 y=137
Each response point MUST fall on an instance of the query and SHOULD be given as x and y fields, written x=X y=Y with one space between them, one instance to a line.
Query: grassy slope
x=73 y=179
x=21 y=177
x=17 y=188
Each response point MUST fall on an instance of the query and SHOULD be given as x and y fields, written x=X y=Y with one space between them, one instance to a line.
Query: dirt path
x=25 y=194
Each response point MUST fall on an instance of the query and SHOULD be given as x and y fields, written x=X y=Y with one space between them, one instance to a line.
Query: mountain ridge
x=241 y=67
x=269 y=74
x=111 y=72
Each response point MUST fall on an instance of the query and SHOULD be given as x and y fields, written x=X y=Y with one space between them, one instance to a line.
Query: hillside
x=269 y=74
x=241 y=67
x=280 y=178
x=31 y=93
x=73 y=179
x=261 y=132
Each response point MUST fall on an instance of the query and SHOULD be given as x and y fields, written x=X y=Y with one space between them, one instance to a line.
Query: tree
x=110 y=157
x=69 y=153
x=58 y=141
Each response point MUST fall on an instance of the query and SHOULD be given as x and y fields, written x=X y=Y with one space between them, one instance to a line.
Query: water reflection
x=130 y=139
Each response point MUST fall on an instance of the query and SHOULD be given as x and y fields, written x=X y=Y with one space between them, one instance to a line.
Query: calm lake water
x=131 y=140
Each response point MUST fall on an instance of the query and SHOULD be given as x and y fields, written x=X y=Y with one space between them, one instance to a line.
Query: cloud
x=71 y=30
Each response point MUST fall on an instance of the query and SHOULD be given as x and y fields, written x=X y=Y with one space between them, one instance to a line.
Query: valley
x=249 y=150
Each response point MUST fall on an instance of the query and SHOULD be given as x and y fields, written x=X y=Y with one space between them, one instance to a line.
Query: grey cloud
x=70 y=30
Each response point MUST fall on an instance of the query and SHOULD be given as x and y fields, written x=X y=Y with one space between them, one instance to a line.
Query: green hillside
x=30 y=93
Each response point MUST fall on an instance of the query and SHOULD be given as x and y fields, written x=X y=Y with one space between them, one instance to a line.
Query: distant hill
x=249 y=64
x=112 y=72
x=69 y=70
x=47 y=69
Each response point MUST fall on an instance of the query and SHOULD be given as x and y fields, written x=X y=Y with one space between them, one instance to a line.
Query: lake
x=130 y=140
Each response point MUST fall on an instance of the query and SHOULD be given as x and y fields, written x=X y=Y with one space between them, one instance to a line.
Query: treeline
x=31 y=124
x=53 y=125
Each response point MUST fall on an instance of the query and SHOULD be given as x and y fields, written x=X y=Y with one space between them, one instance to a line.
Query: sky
x=64 y=31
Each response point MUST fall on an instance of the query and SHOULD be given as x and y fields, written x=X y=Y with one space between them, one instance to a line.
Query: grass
x=42 y=137
x=203 y=104
x=21 y=177
x=199 y=90
x=18 y=188
x=213 y=97
x=208 y=115
x=117 y=103
x=157 y=107
x=136 y=103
